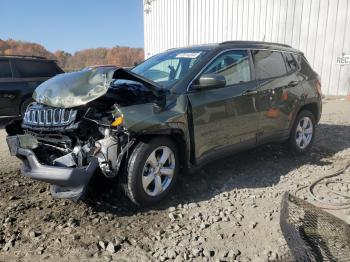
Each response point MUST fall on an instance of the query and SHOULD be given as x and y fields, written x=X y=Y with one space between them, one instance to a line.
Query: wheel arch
x=313 y=108
x=23 y=100
x=178 y=136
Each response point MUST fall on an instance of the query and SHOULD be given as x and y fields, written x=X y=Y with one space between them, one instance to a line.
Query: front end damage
x=67 y=156
x=66 y=181
x=64 y=142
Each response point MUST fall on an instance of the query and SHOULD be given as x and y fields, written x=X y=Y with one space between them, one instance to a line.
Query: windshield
x=169 y=67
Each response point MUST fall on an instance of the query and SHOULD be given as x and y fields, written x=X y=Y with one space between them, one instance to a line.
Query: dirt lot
x=227 y=211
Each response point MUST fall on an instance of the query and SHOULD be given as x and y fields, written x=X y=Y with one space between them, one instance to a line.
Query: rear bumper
x=67 y=182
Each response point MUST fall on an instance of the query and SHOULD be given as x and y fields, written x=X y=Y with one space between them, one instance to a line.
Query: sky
x=73 y=25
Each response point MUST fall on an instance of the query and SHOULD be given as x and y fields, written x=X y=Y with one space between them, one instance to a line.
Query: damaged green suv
x=176 y=110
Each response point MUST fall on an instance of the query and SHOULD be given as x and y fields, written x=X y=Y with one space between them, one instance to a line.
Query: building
x=319 y=28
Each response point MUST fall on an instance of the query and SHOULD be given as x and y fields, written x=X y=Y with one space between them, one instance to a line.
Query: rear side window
x=5 y=69
x=305 y=67
x=28 y=68
x=291 y=64
x=233 y=65
x=268 y=64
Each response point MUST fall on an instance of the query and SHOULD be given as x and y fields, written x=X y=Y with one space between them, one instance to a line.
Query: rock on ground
x=227 y=210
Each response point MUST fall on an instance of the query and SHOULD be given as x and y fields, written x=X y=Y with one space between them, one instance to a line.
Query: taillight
x=318 y=85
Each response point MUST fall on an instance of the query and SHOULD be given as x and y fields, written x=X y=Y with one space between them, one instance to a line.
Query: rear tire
x=303 y=133
x=152 y=171
x=24 y=106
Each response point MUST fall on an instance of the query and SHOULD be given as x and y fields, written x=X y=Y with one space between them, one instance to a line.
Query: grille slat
x=44 y=116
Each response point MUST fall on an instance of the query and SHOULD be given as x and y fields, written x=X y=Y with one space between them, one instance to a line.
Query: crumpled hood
x=81 y=87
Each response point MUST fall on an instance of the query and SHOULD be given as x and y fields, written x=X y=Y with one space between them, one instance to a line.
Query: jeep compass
x=177 y=110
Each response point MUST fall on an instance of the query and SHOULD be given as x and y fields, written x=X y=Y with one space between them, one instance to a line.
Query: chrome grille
x=43 y=116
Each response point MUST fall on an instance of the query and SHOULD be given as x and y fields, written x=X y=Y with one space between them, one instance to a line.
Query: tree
x=119 y=56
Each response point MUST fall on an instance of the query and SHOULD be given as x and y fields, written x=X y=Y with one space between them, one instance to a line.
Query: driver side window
x=165 y=71
x=233 y=65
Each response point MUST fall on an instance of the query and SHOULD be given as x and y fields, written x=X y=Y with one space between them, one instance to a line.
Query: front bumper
x=66 y=182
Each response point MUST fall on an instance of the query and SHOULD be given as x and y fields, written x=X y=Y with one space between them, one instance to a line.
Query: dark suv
x=19 y=76
x=174 y=111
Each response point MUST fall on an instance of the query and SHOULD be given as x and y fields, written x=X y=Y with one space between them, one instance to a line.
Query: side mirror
x=210 y=81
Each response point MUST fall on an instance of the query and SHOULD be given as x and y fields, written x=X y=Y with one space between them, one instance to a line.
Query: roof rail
x=25 y=56
x=254 y=42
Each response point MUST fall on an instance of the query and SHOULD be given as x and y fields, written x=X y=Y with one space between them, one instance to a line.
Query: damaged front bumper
x=66 y=182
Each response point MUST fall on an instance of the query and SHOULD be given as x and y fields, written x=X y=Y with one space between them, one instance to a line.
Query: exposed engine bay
x=70 y=137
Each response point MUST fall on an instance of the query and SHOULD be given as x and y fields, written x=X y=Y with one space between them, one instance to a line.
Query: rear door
x=226 y=116
x=7 y=90
x=29 y=73
x=280 y=89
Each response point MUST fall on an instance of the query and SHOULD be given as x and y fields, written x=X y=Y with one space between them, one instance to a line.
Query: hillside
x=118 y=55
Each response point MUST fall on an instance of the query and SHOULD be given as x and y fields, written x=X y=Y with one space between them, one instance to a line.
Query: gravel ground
x=227 y=211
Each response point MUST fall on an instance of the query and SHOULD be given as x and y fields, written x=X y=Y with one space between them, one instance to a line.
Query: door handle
x=293 y=83
x=250 y=92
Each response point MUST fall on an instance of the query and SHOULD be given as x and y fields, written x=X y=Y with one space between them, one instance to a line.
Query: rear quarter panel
x=15 y=91
x=311 y=94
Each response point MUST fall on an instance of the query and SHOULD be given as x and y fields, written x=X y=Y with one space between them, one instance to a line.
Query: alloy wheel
x=158 y=171
x=304 y=132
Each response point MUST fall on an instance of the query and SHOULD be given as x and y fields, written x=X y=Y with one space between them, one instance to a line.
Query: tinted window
x=28 y=68
x=233 y=65
x=305 y=66
x=291 y=64
x=268 y=64
x=5 y=69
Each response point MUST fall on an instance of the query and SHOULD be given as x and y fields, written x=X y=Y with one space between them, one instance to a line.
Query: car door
x=225 y=117
x=29 y=74
x=279 y=89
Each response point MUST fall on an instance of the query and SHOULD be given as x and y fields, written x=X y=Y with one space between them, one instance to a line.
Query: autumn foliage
x=119 y=55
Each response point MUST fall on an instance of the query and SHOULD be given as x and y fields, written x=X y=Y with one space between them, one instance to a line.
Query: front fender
x=145 y=119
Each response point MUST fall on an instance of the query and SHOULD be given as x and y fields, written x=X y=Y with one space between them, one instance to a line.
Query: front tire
x=152 y=171
x=303 y=133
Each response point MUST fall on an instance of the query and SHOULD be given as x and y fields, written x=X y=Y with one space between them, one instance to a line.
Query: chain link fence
x=313 y=234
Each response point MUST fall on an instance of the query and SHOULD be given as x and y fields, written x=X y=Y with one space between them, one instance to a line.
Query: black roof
x=255 y=43
x=261 y=44
x=242 y=44
x=26 y=57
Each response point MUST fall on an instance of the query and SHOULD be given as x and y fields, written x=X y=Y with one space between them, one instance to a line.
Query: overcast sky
x=72 y=25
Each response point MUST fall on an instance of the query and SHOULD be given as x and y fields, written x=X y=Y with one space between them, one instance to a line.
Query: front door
x=225 y=116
